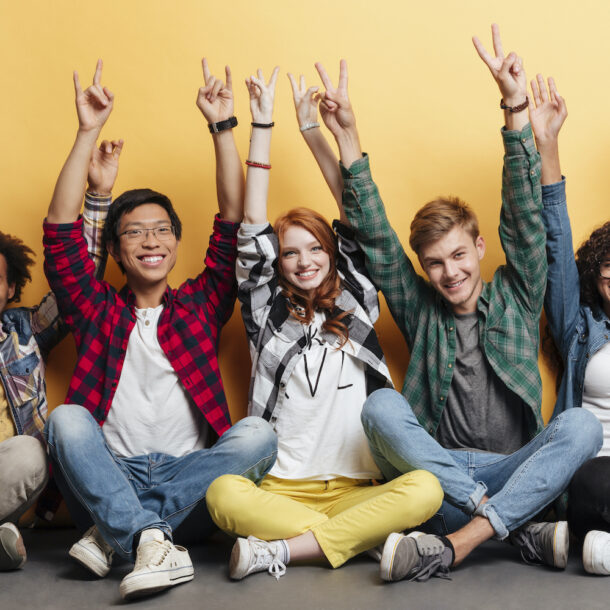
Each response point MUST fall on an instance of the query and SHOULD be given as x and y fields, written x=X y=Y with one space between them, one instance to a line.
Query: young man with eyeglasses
x=147 y=368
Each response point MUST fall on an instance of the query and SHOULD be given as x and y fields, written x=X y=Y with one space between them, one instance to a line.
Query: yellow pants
x=347 y=516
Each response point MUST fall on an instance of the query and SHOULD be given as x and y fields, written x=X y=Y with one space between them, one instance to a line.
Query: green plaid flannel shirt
x=509 y=306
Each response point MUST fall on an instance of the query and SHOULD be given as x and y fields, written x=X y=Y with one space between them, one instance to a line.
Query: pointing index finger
x=97 y=77
x=323 y=75
x=495 y=34
x=206 y=70
x=343 y=74
x=229 y=78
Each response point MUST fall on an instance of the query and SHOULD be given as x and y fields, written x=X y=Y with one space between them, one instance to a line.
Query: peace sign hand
x=94 y=105
x=507 y=71
x=262 y=96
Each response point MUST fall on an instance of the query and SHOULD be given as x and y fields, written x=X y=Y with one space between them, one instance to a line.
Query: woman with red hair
x=309 y=307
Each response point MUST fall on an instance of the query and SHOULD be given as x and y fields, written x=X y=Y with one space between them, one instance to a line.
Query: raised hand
x=548 y=110
x=94 y=105
x=262 y=95
x=335 y=107
x=215 y=98
x=507 y=71
x=104 y=166
x=305 y=101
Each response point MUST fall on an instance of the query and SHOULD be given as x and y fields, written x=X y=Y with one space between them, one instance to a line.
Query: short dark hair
x=18 y=261
x=127 y=202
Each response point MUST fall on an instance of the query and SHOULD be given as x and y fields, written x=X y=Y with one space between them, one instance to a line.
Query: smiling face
x=452 y=264
x=303 y=262
x=7 y=291
x=147 y=260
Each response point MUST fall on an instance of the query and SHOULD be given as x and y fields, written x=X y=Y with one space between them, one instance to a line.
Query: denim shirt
x=578 y=330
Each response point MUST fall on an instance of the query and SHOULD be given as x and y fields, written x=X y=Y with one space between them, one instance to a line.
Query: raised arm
x=257 y=179
x=306 y=102
x=509 y=74
x=93 y=107
x=215 y=100
x=547 y=114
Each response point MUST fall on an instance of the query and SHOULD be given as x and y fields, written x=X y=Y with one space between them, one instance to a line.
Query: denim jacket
x=579 y=331
x=27 y=335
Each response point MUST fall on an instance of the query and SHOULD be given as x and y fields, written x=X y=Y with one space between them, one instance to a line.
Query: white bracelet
x=309 y=126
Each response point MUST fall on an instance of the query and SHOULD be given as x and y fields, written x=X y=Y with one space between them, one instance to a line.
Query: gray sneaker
x=543 y=543
x=417 y=556
x=12 y=549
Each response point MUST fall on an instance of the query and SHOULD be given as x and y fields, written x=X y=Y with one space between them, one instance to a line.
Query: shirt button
x=451 y=328
x=442 y=398
x=282 y=384
x=147 y=323
x=533 y=172
x=450 y=365
x=524 y=140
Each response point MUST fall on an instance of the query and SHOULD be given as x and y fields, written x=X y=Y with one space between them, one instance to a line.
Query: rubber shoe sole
x=88 y=560
x=12 y=549
x=148 y=583
x=387 y=556
x=561 y=545
x=592 y=558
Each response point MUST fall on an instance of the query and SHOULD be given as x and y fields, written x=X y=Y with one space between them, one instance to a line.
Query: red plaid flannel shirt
x=101 y=320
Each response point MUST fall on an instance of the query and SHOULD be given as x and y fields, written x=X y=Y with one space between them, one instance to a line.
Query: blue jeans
x=518 y=485
x=124 y=496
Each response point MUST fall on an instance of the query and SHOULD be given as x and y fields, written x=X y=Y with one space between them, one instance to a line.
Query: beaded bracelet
x=308 y=126
x=257 y=164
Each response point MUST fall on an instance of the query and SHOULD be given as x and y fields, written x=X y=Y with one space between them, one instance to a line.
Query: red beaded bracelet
x=257 y=164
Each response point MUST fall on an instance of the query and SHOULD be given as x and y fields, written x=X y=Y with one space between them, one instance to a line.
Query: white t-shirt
x=596 y=392
x=320 y=436
x=151 y=412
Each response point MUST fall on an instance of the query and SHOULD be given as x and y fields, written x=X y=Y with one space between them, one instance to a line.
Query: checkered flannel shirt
x=27 y=335
x=276 y=338
x=509 y=306
x=102 y=319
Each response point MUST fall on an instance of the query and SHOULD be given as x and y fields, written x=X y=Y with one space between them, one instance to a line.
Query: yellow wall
x=426 y=106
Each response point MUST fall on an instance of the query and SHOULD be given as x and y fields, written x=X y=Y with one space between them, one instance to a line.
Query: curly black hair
x=591 y=254
x=18 y=261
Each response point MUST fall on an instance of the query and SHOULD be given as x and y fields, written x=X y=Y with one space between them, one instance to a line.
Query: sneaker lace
x=266 y=556
x=431 y=551
x=526 y=541
x=152 y=553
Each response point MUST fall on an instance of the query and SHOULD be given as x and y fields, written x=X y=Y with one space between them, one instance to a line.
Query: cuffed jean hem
x=489 y=512
x=474 y=500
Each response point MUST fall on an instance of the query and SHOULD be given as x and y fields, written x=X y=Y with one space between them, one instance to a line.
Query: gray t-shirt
x=481 y=413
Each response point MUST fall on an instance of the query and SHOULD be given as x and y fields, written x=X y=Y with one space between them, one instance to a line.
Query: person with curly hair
x=577 y=304
x=27 y=335
x=309 y=307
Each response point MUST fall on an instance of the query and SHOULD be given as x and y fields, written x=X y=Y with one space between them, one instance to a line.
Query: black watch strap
x=222 y=125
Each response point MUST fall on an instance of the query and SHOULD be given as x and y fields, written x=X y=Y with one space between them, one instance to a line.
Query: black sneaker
x=417 y=556
x=543 y=543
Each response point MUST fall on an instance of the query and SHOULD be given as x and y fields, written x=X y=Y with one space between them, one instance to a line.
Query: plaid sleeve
x=352 y=267
x=70 y=272
x=521 y=230
x=388 y=265
x=94 y=217
x=214 y=289
x=47 y=325
x=257 y=252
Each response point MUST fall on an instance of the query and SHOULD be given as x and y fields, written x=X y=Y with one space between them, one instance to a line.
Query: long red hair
x=301 y=305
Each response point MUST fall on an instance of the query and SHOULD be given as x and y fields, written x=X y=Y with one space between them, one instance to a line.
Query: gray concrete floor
x=493 y=577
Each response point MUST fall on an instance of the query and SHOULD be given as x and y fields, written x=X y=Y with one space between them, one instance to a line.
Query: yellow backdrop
x=427 y=110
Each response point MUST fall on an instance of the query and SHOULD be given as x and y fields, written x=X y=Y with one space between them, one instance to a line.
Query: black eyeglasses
x=162 y=233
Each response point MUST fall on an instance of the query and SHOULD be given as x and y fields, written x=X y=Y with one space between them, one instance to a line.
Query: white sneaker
x=93 y=552
x=596 y=552
x=12 y=549
x=251 y=555
x=159 y=565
